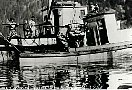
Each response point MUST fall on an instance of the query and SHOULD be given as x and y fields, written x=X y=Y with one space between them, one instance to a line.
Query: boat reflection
x=50 y=76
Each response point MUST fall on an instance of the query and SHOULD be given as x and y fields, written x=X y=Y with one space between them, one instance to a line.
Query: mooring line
x=10 y=43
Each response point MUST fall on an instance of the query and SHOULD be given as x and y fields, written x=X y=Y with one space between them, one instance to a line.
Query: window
x=82 y=13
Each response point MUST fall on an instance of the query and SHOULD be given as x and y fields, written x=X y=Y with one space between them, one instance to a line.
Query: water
x=88 y=71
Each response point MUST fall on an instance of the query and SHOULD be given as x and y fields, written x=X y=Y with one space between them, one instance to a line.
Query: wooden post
x=77 y=68
x=85 y=39
x=16 y=62
x=110 y=59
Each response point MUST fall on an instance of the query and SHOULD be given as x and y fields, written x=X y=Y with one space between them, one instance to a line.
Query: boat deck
x=82 y=50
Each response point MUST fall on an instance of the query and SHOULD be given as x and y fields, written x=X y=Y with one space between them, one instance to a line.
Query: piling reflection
x=9 y=77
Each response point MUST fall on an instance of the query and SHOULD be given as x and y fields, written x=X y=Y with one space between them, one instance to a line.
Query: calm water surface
x=68 y=72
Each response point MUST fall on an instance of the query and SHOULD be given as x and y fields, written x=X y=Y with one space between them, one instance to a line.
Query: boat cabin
x=102 y=29
x=67 y=12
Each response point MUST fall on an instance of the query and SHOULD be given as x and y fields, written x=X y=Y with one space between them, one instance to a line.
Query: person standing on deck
x=27 y=29
x=12 y=28
x=93 y=28
x=33 y=27
x=63 y=37
x=96 y=8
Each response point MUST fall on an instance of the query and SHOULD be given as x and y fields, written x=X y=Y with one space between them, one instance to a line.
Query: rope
x=33 y=41
x=10 y=43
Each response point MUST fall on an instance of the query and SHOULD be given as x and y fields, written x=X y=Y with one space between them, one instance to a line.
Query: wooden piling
x=16 y=61
x=13 y=59
x=110 y=59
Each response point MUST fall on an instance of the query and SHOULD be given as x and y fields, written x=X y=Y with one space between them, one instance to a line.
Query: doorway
x=102 y=31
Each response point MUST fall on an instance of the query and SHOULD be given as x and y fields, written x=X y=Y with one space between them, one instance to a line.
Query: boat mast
x=51 y=2
x=42 y=9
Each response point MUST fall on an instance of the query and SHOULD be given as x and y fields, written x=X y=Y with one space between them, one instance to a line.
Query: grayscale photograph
x=65 y=44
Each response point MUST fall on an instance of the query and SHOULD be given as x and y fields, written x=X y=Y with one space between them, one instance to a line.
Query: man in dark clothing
x=63 y=37
x=92 y=34
x=12 y=28
x=27 y=29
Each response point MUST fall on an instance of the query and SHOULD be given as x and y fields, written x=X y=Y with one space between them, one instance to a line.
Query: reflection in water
x=72 y=75
x=50 y=76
